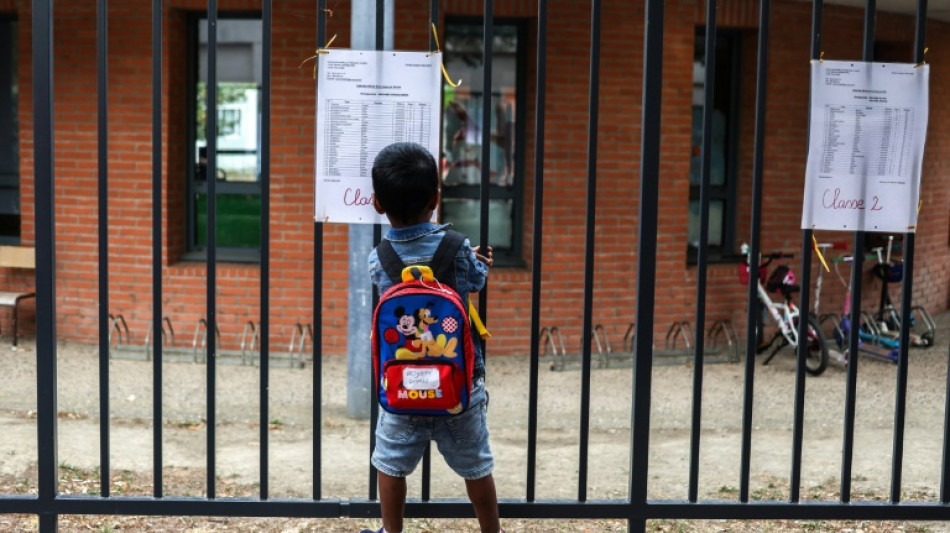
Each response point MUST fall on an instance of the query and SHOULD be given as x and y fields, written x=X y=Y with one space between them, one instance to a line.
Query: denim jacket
x=417 y=244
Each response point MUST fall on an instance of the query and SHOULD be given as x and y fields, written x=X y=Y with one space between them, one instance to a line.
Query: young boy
x=406 y=189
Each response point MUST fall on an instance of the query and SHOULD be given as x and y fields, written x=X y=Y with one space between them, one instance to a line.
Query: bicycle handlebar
x=768 y=257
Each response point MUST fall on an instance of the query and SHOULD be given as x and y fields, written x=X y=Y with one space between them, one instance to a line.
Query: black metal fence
x=636 y=507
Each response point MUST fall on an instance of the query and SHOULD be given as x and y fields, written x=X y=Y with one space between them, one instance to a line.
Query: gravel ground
x=345 y=442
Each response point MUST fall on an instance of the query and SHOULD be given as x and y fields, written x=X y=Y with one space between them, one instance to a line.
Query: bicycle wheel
x=816 y=358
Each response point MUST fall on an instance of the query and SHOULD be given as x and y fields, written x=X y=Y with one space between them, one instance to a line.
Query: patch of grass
x=70 y=415
x=186 y=424
x=728 y=490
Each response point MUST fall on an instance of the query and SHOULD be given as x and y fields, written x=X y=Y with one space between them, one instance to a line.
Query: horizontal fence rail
x=636 y=507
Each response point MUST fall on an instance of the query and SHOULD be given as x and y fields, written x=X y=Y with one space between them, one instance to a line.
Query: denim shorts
x=462 y=440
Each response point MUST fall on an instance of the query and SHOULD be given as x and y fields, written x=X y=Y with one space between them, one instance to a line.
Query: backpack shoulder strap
x=442 y=263
x=443 y=260
x=390 y=261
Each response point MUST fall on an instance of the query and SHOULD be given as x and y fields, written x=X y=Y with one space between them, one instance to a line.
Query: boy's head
x=405 y=183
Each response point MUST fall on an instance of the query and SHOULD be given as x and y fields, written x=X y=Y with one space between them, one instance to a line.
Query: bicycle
x=785 y=313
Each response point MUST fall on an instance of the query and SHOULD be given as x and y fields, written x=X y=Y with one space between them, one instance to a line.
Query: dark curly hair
x=405 y=180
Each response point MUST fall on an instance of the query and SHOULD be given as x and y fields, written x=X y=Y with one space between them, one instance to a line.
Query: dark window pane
x=463 y=132
x=462 y=127
x=9 y=134
x=722 y=163
x=716 y=223
x=238 y=221
x=464 y=214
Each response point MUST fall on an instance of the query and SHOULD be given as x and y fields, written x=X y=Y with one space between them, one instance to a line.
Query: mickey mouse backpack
x=423 y=351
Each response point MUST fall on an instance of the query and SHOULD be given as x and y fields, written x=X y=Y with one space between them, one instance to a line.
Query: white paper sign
x=866 y=147
x=420 y=378
x=366 y=101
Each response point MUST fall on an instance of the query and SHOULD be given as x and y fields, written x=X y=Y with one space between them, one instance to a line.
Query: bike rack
x=722 y=346
x=201 y=330
x=552 y=349
x=118 y=327
x=120 y=346
x=550 y=338
x=297 y=344
x=722 y=329
x=167 y=333
x=929 y=336
x=249 y=326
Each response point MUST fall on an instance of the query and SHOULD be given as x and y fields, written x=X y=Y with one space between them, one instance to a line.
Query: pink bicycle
x=785 y=313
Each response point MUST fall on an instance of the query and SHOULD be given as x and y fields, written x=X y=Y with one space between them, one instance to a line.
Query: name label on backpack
x=420 y=378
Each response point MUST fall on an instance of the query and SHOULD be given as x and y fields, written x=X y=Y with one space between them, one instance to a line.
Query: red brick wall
x=563 y=233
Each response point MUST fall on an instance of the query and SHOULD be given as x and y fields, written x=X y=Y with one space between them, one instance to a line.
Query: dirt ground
x=345 y=442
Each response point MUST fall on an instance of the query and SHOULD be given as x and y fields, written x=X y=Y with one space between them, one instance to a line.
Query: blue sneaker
x=380 y=530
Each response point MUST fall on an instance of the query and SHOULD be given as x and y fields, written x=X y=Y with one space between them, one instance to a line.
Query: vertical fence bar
x=857 y=268
x=427 y=455
x=379 y=36
x=488 y=38
x=798 y=417
x=907 y=292
x=374 y=414
x=798 y=420
x=593 y=104
x=536 y=258
x=211 y=123
x=380 y=24
x=318 y=303
x=267 y=23
x=900 y=400
x=945 y=466
x=757 y=163
x=44 y=202
x=646 y=256
x=702 y=254
x=157 y=416
x=102 y=72
x=853 y=355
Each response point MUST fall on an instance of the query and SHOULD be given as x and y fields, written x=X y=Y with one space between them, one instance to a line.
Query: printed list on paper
x=868 y=129
x=365 y=102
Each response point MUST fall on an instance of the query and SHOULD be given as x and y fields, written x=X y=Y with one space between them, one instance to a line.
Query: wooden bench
x=22 y=257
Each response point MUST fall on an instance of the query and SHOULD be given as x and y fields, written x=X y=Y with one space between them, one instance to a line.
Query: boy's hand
x=487 y=258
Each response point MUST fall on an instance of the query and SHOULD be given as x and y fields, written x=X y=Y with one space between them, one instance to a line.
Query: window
x=229 y=122
x=723 y=174
x=462 y=134
x=238 y=161
x=9 y=135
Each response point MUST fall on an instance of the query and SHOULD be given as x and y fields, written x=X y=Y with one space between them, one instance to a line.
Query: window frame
x=515 y=256
x=729 y=192
x=194 y=252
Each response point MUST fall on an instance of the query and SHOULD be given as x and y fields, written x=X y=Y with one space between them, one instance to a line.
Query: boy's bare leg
x=482 y=493
x=392 y=500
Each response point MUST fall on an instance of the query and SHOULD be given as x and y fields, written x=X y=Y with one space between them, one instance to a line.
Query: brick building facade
x=292 y=164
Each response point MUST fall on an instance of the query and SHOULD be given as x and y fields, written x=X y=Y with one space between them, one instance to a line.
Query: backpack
x=423 y=351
